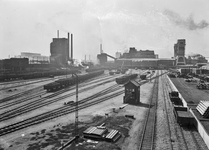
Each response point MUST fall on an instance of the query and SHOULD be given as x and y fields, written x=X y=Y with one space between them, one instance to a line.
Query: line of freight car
x=125 y=78
x=62 y=83
x=174 y=97
x=94 y=69
x=32 y=75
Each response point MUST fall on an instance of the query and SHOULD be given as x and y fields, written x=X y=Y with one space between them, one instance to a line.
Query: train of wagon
x=62 y=83
x=95 y=69
x=182 y=114
x=33 y=75
x=125 y=78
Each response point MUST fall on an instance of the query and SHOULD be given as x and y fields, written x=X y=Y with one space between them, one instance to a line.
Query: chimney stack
x=71 y=46
x=101 y=48
x=68 y=46
x=57 y=33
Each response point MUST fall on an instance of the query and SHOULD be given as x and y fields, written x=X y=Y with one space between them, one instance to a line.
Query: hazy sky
x=30 y=25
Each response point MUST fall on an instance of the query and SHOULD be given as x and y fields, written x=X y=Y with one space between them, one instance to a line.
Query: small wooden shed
x=132 y=92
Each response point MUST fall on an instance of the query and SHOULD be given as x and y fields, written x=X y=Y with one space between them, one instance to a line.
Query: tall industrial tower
x=59 y=49
x=179 y=52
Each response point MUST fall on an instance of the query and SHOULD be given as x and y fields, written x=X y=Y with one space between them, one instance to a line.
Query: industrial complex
x=116 y=104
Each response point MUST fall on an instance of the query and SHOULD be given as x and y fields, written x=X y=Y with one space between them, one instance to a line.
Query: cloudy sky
x=30 y=25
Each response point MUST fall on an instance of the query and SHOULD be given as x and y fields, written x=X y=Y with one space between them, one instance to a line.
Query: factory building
x=179 y=52
x=133 y=53
x=14 y=64
x=34 y=58
x=59 y=49
x=143 y=59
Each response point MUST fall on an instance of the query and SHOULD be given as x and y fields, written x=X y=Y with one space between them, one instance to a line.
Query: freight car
x=94 y=69
x=62 y=83
x=125 y=78
x=174 y=97
x=33 y=75
x=183 y=116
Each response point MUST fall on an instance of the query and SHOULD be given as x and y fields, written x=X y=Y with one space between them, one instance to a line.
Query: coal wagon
x=62 y=83
x=184 y=116
x=125 y=78
x=174 y=97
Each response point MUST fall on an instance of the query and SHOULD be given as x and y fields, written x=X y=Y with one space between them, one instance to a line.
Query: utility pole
x=76 y=107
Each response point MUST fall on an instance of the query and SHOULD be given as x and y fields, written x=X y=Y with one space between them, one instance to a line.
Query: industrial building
x=138 y=59
x=59 y=49
x=14 y=64
x=133 y=53
x=179 y=52
x=34 y=58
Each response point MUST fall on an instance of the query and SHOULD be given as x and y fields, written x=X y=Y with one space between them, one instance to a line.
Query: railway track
x=169 y=121
x=41 y=102
x=174 y=133
x=147 y=137
x=34 y=90
x=18 y=95
x=64 y=110
x=23 y=99
x=26 y=82
x=176 y=130
x=187 y=138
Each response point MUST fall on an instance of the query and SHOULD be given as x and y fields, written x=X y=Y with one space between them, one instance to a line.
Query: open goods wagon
x=62 y=83
x=183 y=116
x=174 y=97
x=125 y=78
x=94 y=69
x=33 y=75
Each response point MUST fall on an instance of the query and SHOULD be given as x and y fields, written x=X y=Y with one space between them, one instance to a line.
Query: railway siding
x=188 y=94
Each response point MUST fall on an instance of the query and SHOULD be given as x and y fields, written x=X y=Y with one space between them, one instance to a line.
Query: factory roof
x=145 y=59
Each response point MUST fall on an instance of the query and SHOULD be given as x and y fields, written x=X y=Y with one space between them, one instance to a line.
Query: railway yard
x=34 y=118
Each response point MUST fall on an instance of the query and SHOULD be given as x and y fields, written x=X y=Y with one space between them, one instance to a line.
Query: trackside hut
x=132 y=92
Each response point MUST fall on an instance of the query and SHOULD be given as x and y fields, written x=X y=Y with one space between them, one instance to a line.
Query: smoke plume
x=188 y=23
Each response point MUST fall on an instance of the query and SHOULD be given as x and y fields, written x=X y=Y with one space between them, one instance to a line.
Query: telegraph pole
x=76 y=107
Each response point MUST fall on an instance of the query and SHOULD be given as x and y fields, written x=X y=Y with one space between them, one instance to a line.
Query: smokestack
x=71 y=46
x=68 y=46
x=85 y=58
x=101 y=48
x=57 y=33
x=89 y=57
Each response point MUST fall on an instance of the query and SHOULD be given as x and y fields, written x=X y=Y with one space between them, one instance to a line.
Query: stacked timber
x=203 y=108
